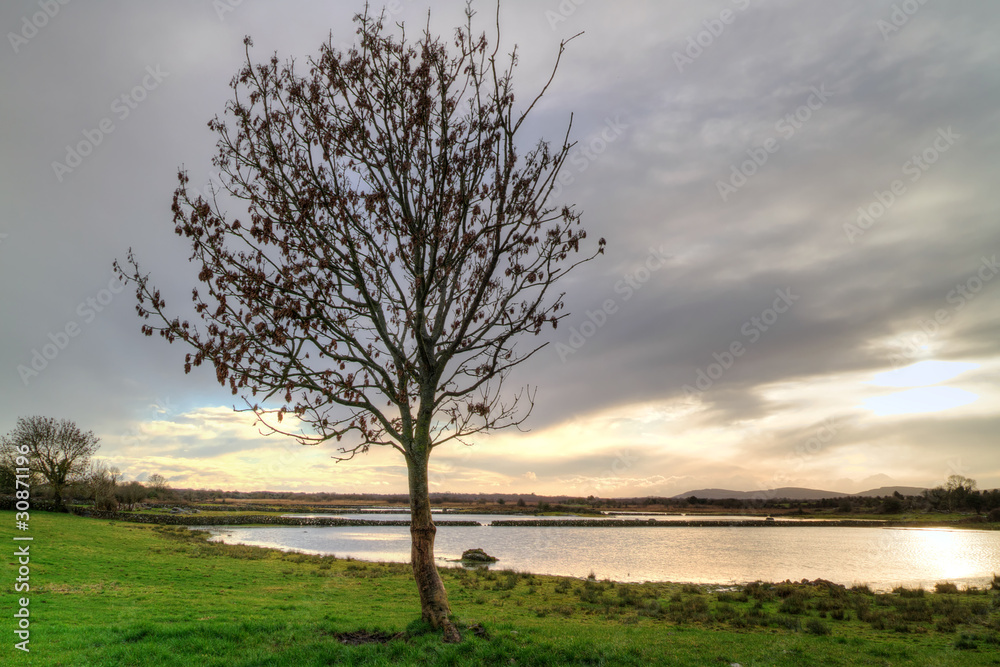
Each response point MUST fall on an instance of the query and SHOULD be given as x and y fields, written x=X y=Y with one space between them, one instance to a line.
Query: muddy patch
x=359 y=637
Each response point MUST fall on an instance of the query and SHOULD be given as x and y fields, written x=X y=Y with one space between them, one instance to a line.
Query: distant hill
x=796 y=493
x=889 y=490
x=790 y=492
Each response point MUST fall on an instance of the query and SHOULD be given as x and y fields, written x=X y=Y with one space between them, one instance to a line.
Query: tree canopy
x=398 y=242
x=58 y=450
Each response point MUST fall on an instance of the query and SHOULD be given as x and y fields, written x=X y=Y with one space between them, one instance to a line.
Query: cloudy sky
x=800 y=201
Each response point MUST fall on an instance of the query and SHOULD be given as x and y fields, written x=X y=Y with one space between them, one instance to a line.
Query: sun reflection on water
x=943 y=553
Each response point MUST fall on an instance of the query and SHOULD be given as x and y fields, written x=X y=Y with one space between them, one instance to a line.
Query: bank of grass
x=954 y=519
x=112 y=593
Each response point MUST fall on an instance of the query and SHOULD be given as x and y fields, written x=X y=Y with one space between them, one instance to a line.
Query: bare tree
x=130 y=494
x=397 y=245
x=959 y=489
x=158 y=486
x=102 y=486
x=59 y=451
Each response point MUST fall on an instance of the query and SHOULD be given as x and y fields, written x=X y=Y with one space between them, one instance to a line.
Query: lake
x=880 y=557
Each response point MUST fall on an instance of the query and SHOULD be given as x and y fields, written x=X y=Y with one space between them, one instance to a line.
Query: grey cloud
x=655 y=185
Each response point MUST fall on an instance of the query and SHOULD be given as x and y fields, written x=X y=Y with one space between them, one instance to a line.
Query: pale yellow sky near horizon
x=631 y=450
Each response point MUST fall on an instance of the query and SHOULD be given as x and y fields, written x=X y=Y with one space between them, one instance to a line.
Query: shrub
x=814 y=626
x=760 y=590
x=945 y=587
x=863 y=608
x=731 y=596
x=651 y=608
x=828 y=604
x=917 y=592
x=787 y=622
x=915 y=610
x=794 y=604
x=946 y=625
x=690 y=609
x=628 y=597
x=785 y=590
x=724 y=611
x=979 y=608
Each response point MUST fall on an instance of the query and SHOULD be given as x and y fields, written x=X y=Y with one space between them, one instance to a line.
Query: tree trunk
x=433 y=597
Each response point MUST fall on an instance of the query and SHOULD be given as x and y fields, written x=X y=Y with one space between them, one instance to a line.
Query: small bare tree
x=158 y=486
x=59 y=451
x=131 y=494
x=397 y=245
x=102 y=485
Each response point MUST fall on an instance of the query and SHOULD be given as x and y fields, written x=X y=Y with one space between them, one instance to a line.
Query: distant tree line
x=62 y=470
x=958 y=494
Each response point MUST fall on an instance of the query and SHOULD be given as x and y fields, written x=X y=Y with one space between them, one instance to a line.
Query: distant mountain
x=796 y=493
x=790 y=492
x=889 y=490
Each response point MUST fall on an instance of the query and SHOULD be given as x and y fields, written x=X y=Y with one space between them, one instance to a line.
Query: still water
x=880 y=557
x=444 y=517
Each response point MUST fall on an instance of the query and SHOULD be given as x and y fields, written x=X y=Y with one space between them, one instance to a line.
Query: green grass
x=916 y=518
x=112 y=593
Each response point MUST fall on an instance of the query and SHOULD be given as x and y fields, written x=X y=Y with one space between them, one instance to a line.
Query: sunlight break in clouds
x=923 y=373
x=924 y=399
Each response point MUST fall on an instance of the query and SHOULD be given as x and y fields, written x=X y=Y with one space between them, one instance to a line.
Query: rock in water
x=478 y=556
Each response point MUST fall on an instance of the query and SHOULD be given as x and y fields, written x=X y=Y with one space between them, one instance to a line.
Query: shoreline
x=280 y=520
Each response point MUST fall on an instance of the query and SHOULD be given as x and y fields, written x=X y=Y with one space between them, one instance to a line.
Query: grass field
x=111 y=593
